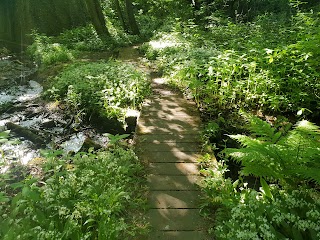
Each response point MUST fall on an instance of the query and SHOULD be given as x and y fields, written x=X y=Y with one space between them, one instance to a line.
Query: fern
x=268 y=153
x=261 y=129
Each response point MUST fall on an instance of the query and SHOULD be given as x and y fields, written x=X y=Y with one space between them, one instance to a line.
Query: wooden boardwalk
x=167 y=140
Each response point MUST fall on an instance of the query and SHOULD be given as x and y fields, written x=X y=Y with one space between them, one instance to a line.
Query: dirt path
x=167 y=140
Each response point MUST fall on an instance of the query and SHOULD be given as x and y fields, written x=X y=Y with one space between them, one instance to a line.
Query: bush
x=286 y=208
x=87 y=196
x=105 y=88
x=83 y=39
x=271 y=67
x=46 y=52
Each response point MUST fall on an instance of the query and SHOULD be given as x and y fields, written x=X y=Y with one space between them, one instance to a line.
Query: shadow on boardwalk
x=167 y=141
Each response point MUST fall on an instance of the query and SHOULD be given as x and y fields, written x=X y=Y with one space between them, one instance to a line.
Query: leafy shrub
x=293 y=215
x=245 y=10
x=271 y=67
x=4 y=52
x=87 y=196
x=47 y=52
x=270 y=213
x=288 y=157
x=287 y=208
x=107 y=88
x=83 y=39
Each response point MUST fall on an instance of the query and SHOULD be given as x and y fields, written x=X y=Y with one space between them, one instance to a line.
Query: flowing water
x=29 y=118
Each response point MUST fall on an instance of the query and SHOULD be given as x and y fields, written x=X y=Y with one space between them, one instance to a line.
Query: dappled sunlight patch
x=21 y=93
x=166 y=41
x=21 y=152
x=75 y=143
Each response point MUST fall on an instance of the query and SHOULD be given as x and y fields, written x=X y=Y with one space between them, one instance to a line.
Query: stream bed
x=29 y=124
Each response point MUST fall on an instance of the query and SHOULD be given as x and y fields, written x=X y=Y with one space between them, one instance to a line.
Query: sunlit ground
x=166 y=40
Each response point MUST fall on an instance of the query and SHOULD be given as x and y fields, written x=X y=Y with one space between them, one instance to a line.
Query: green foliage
x=86 y=196
x=106 y=88
x=47 y=52
x=83 y=39
x=245 y=10
x=4 y=52
x=114 y=139
x=290 y=156
x=271 y=67
x=285 y=156
x=270 y=213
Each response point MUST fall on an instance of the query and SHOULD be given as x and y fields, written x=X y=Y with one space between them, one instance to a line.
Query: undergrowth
x=287 y=203
x=264 y=183
x=105 y=88
x=92 y=195
x=273 y=67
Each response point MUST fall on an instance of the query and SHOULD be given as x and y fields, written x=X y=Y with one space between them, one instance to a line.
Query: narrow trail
x=167 y=140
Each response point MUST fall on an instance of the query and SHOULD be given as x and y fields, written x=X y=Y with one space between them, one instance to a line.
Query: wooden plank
x=174 y=156
x=174 y=199
x=159 y=182
x=167 y=137
x=168 y=147
x=175 y=219
x=179 y=235
x=174 y=169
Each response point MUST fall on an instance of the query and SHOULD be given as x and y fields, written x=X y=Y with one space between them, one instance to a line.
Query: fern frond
x=261 y=129
x=245 y=140
x=308 y=173
x=308 y=127
x=258 y=171
x=295 y=155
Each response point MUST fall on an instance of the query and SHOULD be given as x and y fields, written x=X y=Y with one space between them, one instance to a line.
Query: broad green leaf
x=17 y=185
x=5 y=134
x=266 y=188
x=4 y=197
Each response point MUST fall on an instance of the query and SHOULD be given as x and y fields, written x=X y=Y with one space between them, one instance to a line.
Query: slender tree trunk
x=131 y=19
x=120 y=15
x=97 y=18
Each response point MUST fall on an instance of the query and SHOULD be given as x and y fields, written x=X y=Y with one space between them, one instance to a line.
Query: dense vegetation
x=252 y=67
x=104 y=89
x=255 y=78
x=83 y=196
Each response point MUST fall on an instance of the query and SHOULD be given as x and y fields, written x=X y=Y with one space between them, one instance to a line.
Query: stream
x=29 y=124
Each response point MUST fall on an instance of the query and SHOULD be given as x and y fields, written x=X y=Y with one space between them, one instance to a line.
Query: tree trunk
x=131 y=19
x=97 y=18
x=120 y=15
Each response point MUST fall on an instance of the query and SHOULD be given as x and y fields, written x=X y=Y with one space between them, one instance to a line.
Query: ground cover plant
x=273 y=67
x=103 y=88
x=85 y=196
x=236 y=59
x=282 y=202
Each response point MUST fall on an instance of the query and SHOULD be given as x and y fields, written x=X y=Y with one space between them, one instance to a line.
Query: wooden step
x=160 y=182
x=174 y=199
x=174 y=169
x=175 y=219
